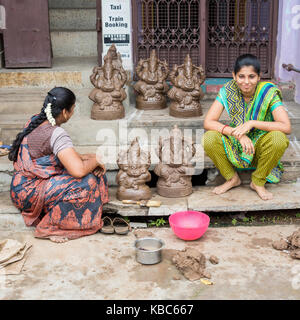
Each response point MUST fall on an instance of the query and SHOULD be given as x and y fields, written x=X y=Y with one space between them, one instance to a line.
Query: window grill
x=213 y=32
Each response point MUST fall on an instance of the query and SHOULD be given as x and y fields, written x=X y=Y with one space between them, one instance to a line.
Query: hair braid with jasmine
x=57 y=99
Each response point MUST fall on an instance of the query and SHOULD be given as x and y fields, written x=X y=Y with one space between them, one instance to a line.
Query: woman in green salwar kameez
x=256 y=137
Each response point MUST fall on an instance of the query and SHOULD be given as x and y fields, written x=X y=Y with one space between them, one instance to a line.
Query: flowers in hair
x=48 y=112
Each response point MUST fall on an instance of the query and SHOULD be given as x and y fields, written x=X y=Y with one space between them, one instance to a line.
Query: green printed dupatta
x=266 y=98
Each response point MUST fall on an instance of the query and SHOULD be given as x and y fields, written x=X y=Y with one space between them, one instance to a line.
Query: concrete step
x=72 y=72
x=67 y=4
x=72 y=19
x=146 y=124
x=241 y=199
x=74 y=43
x=290 y=160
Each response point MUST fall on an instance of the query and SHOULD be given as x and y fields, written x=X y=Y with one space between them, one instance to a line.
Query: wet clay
x=191 y=263
x=291 y=243
x=280 y=244
x=214 y=260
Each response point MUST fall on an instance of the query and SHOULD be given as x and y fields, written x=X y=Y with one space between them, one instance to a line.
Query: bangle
x=224 y=128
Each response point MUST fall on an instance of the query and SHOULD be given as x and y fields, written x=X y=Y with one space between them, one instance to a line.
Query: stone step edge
x=195 y=201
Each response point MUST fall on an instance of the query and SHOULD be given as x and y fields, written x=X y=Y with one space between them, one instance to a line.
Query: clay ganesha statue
x=133 y=174
x=175 y=169
x=186 y=92
x=151 y=86
x=109 y=93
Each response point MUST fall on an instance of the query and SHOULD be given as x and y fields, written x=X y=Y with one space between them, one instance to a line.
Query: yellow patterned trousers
x=268 y=151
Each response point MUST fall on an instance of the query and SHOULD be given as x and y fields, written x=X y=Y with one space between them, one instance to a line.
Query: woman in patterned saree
x=256 y=137
x=58 y=191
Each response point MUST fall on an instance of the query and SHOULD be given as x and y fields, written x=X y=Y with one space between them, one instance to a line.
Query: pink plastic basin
x=189 y=225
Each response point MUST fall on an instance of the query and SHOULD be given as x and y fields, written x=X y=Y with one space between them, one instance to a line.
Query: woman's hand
x=247 y=145
x=243 y=129
x=100 y=170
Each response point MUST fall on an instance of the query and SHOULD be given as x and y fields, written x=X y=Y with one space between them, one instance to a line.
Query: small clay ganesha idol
x=186 y=92
x=109 y=92
x=151 y=87
x=175 y=169
x=133 y=174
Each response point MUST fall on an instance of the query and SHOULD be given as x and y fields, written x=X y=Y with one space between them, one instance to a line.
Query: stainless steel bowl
x=148 y=250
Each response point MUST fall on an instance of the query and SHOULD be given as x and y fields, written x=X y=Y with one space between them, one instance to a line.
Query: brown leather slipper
x=121 y=226
x=107 y=227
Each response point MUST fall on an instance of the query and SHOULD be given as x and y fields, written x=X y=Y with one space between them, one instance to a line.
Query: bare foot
x=233 y=182
x=262 y=192
x=58 y=239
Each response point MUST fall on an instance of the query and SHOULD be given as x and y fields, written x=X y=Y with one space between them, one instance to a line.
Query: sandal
x=107 y=226
x=121 y=226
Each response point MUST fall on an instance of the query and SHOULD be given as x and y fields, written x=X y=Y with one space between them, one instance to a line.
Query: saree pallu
x=53 y=201
x=266 y=98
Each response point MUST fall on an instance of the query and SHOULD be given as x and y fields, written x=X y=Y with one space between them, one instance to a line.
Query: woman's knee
x=278 y=139
x=210 y=139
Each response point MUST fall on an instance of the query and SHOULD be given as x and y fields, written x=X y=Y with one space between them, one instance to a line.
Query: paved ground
x=104 y=267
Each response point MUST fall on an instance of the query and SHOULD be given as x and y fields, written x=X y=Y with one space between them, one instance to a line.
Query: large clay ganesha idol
x=151 y=87
x=186 y=92
x=109 y=93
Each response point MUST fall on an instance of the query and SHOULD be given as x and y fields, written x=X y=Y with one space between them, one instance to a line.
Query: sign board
x=116 y=28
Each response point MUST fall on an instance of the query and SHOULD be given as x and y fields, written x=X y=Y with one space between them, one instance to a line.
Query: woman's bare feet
x=262 y=192
x=229 y=184
x=58 y=239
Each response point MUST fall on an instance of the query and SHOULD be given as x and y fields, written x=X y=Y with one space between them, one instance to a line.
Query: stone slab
x=72 y=72
x=72 y=19
x=11 y=222
x=168 y=205
x=116 y=206
x=241 y=199
x=40 y=79
x=6 y=205
x=74 y=43
x=65 y=4
x=286 y=196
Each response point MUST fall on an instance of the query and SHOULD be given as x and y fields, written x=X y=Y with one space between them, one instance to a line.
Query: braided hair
x=59 y=98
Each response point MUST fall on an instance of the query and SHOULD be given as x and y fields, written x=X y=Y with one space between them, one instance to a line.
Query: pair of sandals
x=117 y=225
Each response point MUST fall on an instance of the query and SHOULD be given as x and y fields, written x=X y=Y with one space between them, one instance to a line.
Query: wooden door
x=26 y=37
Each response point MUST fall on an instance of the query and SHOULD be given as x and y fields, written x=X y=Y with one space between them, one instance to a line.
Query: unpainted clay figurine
x=186 y=92
x=133 y=174
x=151 y=87
x=175 y=169
x=109 y=93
